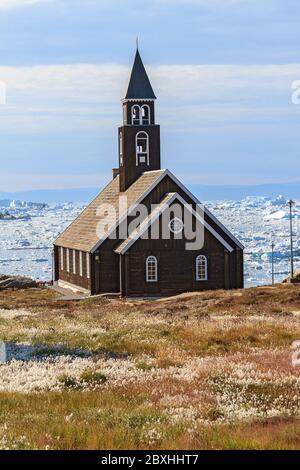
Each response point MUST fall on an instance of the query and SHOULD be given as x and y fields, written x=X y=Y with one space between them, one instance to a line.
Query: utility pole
x=273 y=273
x=291 y=203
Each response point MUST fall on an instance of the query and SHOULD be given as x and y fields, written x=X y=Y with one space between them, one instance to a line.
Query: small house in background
x=95 y=254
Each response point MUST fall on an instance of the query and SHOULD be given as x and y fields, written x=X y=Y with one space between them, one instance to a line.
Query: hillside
x=203 y=371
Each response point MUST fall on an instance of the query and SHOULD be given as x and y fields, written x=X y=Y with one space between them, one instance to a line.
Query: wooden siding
x=176 y=267
x=69 y=276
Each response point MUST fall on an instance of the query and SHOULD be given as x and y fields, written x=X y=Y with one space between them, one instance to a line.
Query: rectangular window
x=62 y=258
x=80 y=264
x=88 y=271
x=68 y=260
x=74 y=261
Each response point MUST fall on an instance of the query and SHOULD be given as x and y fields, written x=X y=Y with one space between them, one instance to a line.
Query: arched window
x=136 y=115
x=142 y=148
x=201 y=268
x=151 y=269
x=145 y=115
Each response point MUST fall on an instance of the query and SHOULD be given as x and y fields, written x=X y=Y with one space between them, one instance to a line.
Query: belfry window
x=142 y=148
x=136 y=115
x=145 y=115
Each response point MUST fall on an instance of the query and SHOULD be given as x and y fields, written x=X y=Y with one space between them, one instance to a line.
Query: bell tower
x=139 y=137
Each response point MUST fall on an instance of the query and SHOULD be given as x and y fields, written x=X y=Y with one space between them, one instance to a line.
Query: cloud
x=194 y=98
x=11 y=4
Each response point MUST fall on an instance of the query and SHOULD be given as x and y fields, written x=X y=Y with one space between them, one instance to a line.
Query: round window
x=176 y=225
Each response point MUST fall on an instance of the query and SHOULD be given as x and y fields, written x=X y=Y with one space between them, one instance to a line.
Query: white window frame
x=68 y=260
x=61 y=258
x=136 y=121
x=88 y=267
x=80 y=264
x=138 y=153
x=74 y=261
x=201 y=274
x=151 y=276
x=142 y=119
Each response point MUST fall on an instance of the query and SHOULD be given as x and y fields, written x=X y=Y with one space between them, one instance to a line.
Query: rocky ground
x=208 y=370
x=16 y=282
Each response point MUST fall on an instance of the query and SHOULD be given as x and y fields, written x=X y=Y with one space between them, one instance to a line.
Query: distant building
x=98 y=253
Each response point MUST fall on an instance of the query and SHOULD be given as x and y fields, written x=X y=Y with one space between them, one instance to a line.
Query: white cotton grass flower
x=12 y=314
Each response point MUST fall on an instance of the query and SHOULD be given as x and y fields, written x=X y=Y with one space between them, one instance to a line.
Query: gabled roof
x=82 y=233
x=166 y=202
x=139 y=87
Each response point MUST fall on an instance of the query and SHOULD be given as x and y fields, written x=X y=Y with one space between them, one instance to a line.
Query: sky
x=222 y=70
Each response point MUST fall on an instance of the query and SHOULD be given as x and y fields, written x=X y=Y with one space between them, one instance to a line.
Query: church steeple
x=139 y=137
x=139 y=86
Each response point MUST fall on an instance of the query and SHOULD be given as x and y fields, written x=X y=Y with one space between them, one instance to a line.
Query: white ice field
x=28 y=230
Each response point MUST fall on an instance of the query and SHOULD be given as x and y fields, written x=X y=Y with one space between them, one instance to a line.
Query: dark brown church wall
x=176 y=267
x=239 y=273
x=69 y=276
x=107 y=270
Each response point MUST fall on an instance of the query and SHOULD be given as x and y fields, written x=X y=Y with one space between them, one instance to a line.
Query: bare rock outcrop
x=296 y=278
x=16 y=282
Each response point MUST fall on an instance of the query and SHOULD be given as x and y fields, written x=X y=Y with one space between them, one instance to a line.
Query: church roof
x=82 y=233
x=139 y=87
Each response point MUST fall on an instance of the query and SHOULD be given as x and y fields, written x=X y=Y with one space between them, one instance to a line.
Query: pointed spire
x=139 y=87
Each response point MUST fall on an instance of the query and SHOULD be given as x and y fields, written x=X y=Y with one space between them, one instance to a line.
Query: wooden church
x=111 y=260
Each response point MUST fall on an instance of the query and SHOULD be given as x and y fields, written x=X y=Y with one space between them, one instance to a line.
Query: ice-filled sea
x=27 y=231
